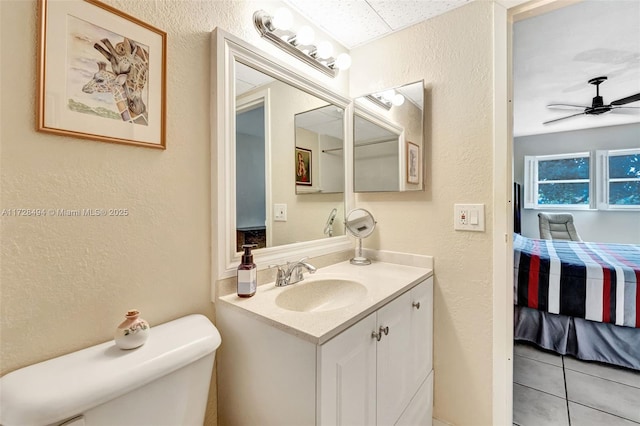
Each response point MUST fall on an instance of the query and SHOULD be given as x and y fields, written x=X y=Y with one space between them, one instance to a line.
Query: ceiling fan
x=597 y=105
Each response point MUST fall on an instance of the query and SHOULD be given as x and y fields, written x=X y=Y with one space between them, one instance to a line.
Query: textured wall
x=66 y=281
x=453 y=54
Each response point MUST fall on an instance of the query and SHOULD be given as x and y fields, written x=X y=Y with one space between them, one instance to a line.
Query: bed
x=579 y=298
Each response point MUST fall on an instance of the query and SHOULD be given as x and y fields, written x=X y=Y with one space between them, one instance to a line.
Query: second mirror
x=388 y=140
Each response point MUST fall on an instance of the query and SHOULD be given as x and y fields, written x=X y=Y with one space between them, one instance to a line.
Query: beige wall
x=66 y=282
x=453 y=54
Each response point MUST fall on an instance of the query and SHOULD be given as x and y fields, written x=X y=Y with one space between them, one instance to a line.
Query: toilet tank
x=165 y=382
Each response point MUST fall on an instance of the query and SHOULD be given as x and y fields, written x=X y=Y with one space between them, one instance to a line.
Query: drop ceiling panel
x=356 y=22
x=401 y=14
x=351 y=22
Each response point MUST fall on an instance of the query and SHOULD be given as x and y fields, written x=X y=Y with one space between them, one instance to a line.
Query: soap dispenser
x=247 y=273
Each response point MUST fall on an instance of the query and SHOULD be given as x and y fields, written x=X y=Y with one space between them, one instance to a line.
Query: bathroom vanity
x=348 y=345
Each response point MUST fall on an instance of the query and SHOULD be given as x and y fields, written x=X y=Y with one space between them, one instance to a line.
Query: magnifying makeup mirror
x=360 y=224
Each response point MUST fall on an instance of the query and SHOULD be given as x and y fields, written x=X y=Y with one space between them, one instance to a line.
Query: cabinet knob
x=416 y=305
x=378 y=336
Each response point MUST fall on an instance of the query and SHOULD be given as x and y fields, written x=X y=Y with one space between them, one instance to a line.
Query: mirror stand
x=360 y=224
x=359 y=259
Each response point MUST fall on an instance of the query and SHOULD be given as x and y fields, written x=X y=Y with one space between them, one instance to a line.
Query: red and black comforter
x=595 y=281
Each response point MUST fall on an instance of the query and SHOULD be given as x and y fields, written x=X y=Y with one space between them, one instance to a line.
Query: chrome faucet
x=292 y=272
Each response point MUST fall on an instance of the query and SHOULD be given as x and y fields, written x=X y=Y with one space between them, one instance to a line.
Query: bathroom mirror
x=389 y=140
x=360 y=223
x=255 y=104
x=320 y=151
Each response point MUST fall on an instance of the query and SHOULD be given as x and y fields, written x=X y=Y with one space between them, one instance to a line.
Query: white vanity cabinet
x=372 y=373
x=377 y=371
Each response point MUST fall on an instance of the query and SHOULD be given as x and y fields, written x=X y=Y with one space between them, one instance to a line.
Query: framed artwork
x=101 y=74
x=303 y=167
x=413 y=163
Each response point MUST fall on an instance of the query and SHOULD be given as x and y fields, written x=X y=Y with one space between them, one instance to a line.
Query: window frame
x=531 y=184
x=603 y=181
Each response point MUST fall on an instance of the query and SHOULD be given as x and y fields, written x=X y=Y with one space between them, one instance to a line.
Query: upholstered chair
x=558 y=226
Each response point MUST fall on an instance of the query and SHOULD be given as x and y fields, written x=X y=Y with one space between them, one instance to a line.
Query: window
x=570 y=181
x=620 y=177
x=558 y=180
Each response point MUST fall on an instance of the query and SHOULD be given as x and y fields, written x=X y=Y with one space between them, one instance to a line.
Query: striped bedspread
x=596 y=281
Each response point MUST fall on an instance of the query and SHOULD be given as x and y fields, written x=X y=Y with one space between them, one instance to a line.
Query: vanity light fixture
x=277 y=29
x=386 y=99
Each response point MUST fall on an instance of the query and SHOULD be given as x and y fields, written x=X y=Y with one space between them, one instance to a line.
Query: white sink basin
x=320 y=295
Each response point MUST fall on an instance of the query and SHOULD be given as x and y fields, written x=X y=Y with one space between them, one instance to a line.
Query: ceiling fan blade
x=562 y=118
x=625 y=110
x=627 y=100
x=566 y=106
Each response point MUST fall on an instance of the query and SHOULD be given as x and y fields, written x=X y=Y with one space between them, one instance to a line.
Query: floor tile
x=604 y=395
x=538 y=375
x=617 y=374
x=535 y=408
x=533 y=352
x=585 y=416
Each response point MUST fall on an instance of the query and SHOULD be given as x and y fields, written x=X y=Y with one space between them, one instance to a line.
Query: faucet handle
x=281 y=275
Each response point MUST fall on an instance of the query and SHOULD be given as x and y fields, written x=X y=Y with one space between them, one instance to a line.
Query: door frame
x=246 y=103
x=504 y=18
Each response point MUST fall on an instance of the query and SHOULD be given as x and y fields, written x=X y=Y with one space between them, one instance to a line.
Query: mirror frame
x=226 y=50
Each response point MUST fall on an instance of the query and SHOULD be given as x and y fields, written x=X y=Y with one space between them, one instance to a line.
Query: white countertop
x=384 y=281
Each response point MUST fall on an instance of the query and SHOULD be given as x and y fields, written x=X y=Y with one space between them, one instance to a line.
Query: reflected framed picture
x=101 y=74
x=303 y=167
x=413 y=163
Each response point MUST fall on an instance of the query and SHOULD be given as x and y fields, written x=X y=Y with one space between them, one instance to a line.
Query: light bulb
x=282 y=19
x=388 y=95
x=397 y=100
x=343 y=61
x=305 y=35
x=324 y=50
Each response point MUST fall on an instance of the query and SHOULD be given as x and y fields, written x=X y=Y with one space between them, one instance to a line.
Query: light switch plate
x=468 y=217
x=279 y=212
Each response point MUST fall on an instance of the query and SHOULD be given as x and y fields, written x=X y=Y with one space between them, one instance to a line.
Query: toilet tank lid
x=59 y=388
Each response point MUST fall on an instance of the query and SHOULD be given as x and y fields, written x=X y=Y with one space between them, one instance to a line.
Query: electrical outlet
x=468 y=217
x=280 y=212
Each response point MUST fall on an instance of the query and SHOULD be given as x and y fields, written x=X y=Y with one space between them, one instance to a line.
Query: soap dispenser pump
x=247 y=273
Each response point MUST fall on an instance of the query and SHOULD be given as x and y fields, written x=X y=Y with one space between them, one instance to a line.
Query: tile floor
x=550 y=390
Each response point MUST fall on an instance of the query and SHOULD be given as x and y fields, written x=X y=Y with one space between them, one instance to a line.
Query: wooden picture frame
x=304 y=174
x=413 y=163
x=101 y=74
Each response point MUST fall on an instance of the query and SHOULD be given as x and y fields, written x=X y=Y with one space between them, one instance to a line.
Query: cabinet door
x=347 y=377
x=395 y=388
x=421 y=332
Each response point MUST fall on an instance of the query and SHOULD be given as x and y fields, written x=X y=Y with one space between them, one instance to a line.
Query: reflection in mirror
x=385 y=124
x=320 y=141
x=376 y=154
x=275 y=122
x=360 y=223
x=255 y=97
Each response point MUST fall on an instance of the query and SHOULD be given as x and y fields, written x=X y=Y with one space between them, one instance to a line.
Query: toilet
x=165 y=382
